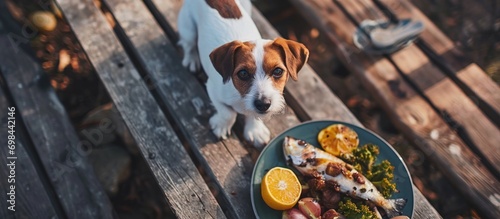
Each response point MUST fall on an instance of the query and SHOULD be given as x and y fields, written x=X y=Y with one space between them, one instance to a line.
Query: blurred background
x=473 y=25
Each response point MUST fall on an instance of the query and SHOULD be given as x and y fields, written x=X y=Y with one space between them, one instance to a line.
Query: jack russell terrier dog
x=246 y=74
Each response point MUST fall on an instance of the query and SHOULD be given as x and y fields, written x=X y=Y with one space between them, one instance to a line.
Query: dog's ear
x=295 y=55
x=223 y=59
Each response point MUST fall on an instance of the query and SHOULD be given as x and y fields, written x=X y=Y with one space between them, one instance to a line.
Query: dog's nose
x=262 y=105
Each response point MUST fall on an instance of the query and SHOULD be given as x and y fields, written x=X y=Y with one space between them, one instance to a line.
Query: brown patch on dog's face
x=291 y=54
x=226 y=8
x=231 y=60
x=244 y=61
x=273 y=63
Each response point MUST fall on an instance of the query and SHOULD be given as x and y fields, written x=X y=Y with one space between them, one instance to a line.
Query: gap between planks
x=67 y=170
x=423 y=208
x=439 y=91
x=157 y=55
x=173 y=168
x=446 y=56
x=29 y=173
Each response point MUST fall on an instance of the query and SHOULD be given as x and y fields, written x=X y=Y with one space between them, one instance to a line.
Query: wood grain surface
x=53 y=136
x=464 y=117
x=228 y=163
x=418 y=121
x=183 y=186
x=423 y=208
x=183 y=98
x=169 y=10
x=467 y=75
x=31 y=198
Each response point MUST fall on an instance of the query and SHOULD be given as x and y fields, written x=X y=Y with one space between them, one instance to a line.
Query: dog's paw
x=257 y=133
x=220 y=126
x=191 y=61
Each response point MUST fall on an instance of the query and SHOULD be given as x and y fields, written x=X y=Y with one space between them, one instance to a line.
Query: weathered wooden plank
x=471 y=123
x=483 y=91
x=183 y=186
x=423 y=208
x=409 y=112
x=53 y=136
x=241 y=207
x=28 y=204
x=31 y=198
x=227 y=162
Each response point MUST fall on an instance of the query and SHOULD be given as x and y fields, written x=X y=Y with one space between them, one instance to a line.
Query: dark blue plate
x=272 y=156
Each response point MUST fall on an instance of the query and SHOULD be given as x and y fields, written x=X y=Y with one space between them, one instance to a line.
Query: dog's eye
x=277 y=73
x=243 y=75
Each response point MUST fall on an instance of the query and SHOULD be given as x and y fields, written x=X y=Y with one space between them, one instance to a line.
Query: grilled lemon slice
x=338 y=139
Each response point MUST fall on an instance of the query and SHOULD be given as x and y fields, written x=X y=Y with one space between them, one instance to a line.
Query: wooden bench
x=441 y=101
x=166 y=108
x=51 y=178
x=140 y=66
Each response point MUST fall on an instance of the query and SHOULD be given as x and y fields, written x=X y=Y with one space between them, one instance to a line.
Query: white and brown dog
x=246 y=74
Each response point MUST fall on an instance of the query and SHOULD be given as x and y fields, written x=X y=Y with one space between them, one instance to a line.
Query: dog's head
x=260 y=69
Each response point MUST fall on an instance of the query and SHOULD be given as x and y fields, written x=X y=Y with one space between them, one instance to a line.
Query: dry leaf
x=53 y=83
x=50 y=48
x=64 y=60
x=15 y=11
x=98 y=3
x=56 y=9
x=74 y=64
x=42 y=38
x=39 y=54
x=47 y=65
x=110 y=19
x=314 y=33
x=64 y=83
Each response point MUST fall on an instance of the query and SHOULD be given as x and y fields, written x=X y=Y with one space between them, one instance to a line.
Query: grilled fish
x=314 y=162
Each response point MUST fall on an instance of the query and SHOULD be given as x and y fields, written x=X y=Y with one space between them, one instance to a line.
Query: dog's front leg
x=222 y=121
x=188 y=36
x=256 y=131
